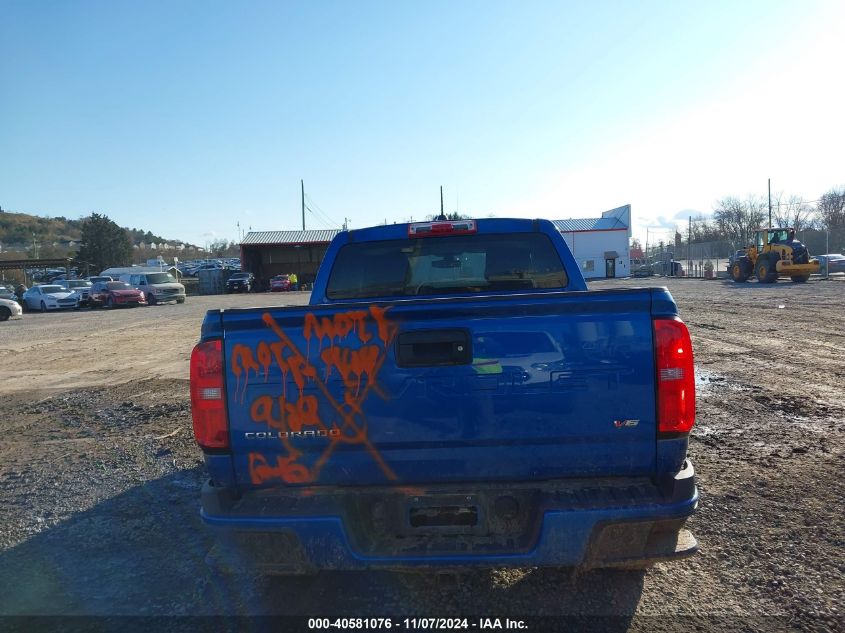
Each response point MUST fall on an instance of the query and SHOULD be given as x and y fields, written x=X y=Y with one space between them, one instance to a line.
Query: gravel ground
x=99 y=479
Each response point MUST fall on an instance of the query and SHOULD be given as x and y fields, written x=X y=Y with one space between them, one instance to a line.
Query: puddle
x=706 y=380
x=701 y=430
x=705 y=377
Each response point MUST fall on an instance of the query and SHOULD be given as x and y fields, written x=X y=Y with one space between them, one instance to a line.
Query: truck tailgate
x=513 y=388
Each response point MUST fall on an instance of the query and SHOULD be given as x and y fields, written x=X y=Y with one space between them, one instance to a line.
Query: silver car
x=80 y=286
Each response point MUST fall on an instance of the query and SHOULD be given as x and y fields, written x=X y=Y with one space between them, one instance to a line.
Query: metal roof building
x=590 y=224
x=600 y=245
x=269 y=253
x=289 y=237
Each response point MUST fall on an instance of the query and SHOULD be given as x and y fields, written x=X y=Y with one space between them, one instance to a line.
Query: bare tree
x=792 y=212
x=831 y=209
x=737 y=219
x=218 y=247
x=703 y=230
x=758 y=210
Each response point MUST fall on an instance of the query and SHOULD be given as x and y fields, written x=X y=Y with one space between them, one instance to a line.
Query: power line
x=318 y=219
x=319 y=210
x=322 y=219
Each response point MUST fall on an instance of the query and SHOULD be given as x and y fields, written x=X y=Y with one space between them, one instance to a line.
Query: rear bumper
x=606 y=523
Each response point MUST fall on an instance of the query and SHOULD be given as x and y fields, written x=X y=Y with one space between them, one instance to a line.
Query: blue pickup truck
x=452 y=396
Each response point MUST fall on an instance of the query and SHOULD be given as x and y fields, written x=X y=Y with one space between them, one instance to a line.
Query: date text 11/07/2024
x=416 y=623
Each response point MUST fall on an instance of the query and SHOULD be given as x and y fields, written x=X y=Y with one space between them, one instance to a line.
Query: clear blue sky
x=186 y=117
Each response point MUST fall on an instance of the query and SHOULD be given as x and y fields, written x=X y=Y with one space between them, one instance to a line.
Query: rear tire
x=5 y=313
x=110 y=303
x=800 y=279
x=765 y=271
x=151 y=299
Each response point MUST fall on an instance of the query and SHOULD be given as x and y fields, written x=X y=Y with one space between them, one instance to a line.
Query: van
x=158 y=287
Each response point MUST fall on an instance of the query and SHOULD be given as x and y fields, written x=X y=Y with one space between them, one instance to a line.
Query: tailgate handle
x=429 y=348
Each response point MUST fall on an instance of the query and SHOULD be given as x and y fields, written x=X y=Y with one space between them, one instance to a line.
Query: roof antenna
x=442 y=215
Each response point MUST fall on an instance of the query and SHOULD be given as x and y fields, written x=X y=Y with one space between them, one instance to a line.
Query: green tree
x=103 y=244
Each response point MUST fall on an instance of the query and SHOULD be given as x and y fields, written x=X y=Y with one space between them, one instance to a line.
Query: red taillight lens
x=431 y=229
x=208 y=402
x=675 y=376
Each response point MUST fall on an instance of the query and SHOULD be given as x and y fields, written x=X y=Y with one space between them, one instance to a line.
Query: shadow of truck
x=143 y=553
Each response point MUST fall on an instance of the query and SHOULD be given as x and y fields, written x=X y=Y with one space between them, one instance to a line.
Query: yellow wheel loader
x=775 y=253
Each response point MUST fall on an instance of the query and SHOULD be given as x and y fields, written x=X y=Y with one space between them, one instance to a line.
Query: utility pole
x=770 y=202
x=689 y=246
x=442 y=216
x=827 y=250
x=302 y=183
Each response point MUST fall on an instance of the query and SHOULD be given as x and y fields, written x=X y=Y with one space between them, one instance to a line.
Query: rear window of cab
x=459 y=264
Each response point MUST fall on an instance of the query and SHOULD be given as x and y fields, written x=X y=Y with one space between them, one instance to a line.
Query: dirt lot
x=99 y=479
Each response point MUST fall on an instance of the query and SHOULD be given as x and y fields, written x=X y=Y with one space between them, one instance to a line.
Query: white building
x=600 y=245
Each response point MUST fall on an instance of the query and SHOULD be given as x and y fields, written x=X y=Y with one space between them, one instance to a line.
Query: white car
x=9 y=310
x=50 y=297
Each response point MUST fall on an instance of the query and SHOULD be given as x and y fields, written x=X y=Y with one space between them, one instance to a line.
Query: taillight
x=433 y=229
x=675 y=376
x=208 y=402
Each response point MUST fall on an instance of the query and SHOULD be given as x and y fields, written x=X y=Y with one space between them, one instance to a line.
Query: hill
x=58 y=237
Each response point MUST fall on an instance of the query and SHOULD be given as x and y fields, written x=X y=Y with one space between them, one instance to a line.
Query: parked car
x=7 y=292
x=116 y=294
x=733 y=257
x=157 y=287
x=46 y=297
x=831 y=263
x=97 y=278
x=240 y=282
x=80 y=286
x=9 y=309
x=643 y=270
x=280 y=283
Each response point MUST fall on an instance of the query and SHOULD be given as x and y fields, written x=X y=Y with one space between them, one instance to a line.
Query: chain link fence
x=706 y=259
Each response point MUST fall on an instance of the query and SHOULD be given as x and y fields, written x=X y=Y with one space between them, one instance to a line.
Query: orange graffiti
x=297 y=364
x=292 y=415
x=285 y=469
x=385 y=328
x=353 y=364
x=242 y=362
x=337 y=326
